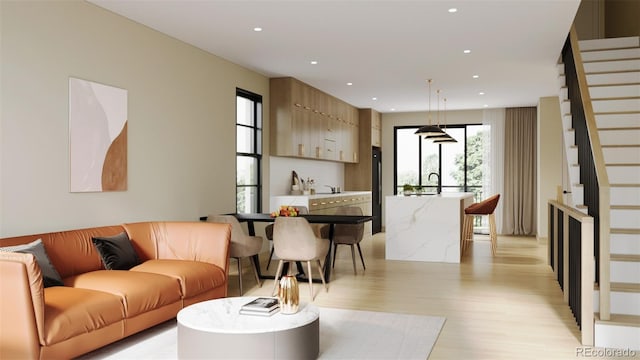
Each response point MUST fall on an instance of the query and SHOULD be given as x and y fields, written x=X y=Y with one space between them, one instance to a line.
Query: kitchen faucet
x=334 y=190
x=439 y=188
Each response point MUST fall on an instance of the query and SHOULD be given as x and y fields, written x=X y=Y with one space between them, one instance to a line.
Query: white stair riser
x=624 y=174
x=610 y=54
x=618 y=120
x=566 y=122
x=621 y=155
x=625 y=244
x=620 y=105
x=612 y=66
x=625 y=272
x=626 y=338
x=624 y=303
x=570 y=137
x=610 y=43
x=577 y=195
x=565 y=107
x=617 y=91
x=613 y=78
x=574 y=175
x=564 y=94
x=625 y=219
x=624 y=196
x=572 y=155
x=619 y=137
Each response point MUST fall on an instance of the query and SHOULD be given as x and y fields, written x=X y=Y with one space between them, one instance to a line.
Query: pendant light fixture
x=449 y=138
x=429 y=130
x=442 y=134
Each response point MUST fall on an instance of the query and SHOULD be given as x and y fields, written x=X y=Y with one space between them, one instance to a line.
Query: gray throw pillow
x=50 y=275
x=116 y=251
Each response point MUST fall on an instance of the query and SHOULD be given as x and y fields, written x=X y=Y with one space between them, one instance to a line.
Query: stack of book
x=262 y=306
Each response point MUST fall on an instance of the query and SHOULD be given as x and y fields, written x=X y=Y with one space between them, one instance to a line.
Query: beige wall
x=181 y=119
x=550 y=158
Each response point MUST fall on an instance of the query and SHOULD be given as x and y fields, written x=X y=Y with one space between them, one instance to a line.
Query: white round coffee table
x=214 y=329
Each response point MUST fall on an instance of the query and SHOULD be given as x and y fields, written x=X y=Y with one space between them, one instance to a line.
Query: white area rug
x=344 y=334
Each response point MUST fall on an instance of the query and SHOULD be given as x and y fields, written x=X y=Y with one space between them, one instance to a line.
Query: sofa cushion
x=116 y=251
x=139 y=292
x=50 y=275
x=195 y=277
x=69 y=312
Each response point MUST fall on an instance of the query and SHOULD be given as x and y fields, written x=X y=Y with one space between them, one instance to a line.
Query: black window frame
x=258 y=133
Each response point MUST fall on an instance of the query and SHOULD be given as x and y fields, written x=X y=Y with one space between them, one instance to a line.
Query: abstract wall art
x=97 y=137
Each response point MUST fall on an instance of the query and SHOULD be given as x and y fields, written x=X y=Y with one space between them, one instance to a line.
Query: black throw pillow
x=116 y=251
x=50 y=275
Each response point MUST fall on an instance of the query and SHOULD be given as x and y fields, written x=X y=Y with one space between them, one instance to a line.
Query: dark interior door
x=376 y=190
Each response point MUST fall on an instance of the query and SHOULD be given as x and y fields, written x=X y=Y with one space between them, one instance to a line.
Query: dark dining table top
x=312 y=218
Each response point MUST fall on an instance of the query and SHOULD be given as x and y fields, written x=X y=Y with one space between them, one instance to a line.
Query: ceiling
x=387 y=49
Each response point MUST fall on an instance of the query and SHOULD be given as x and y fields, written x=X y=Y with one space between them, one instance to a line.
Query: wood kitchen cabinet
x=357 y=176
x=309 y=123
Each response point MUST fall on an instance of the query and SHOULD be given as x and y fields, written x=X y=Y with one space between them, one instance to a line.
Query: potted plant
x=407 y=189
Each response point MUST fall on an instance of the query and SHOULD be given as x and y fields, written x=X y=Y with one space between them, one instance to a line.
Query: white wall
x=323 y=172
x=181 y=138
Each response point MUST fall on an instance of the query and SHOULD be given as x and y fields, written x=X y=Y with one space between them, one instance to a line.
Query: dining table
x=331 y=220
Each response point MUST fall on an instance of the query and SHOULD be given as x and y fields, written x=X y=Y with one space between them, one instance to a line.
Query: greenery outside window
x=248 y=152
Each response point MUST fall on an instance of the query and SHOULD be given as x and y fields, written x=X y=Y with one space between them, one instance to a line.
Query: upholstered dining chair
x=485 y=207
x=242 y=245
x=294 y=240
x=321 y=231
x=347 y=234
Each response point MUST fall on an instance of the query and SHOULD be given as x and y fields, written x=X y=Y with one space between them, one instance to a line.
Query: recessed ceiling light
x=481 y=93
x=349 y=83
x=393 y=109
x=476 y=76
x=452 y=10
x=485 y=105
x=374 y=98
x=314 y=62
x=467 y=51
x=257 y=29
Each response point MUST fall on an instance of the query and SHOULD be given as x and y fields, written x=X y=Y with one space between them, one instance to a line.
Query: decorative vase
x=288 y=294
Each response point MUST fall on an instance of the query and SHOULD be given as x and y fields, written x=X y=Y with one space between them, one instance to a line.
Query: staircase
x=612 y=68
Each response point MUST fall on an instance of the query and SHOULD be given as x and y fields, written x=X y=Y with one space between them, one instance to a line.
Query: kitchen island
x=426 y=227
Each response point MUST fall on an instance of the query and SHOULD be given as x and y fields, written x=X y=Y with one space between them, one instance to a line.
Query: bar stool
x=482 y=208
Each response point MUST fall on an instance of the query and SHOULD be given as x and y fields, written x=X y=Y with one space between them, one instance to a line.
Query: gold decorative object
x=288 y=294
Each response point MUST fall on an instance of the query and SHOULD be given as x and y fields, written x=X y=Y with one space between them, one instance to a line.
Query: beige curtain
x=519 y=204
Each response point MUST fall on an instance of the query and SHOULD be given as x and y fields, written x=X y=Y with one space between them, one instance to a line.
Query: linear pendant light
x=442 y=135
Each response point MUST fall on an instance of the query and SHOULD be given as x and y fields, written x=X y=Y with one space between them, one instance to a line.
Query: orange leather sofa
x=181 y=263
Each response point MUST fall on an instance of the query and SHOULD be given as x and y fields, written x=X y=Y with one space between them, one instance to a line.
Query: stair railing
x=593 y=173
x=571 y=235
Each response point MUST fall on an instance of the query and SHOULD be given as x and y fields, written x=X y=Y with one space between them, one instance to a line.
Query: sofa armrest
x=21 y=306
x=198 y=241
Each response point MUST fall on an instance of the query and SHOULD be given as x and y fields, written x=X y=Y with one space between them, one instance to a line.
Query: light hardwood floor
x=503 y=307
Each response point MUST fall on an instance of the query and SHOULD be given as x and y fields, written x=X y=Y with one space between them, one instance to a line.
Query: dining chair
x=321 y=231
x=349 y=234
x=294 y=240
x=242 y=245
x=485 y=207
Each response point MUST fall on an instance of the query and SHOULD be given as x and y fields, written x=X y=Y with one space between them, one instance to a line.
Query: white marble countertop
x=222 y=316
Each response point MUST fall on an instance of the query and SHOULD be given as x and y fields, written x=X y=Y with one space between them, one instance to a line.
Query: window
x=248 y=152
x=460 y=164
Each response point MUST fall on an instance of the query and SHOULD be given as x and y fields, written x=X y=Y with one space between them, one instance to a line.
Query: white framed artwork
x=97 y=137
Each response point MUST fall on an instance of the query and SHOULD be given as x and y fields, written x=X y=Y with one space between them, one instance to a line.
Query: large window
x=460 y=164
x=248 y=152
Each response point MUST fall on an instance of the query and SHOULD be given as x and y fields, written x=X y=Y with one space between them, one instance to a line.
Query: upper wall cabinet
x=308 y=123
